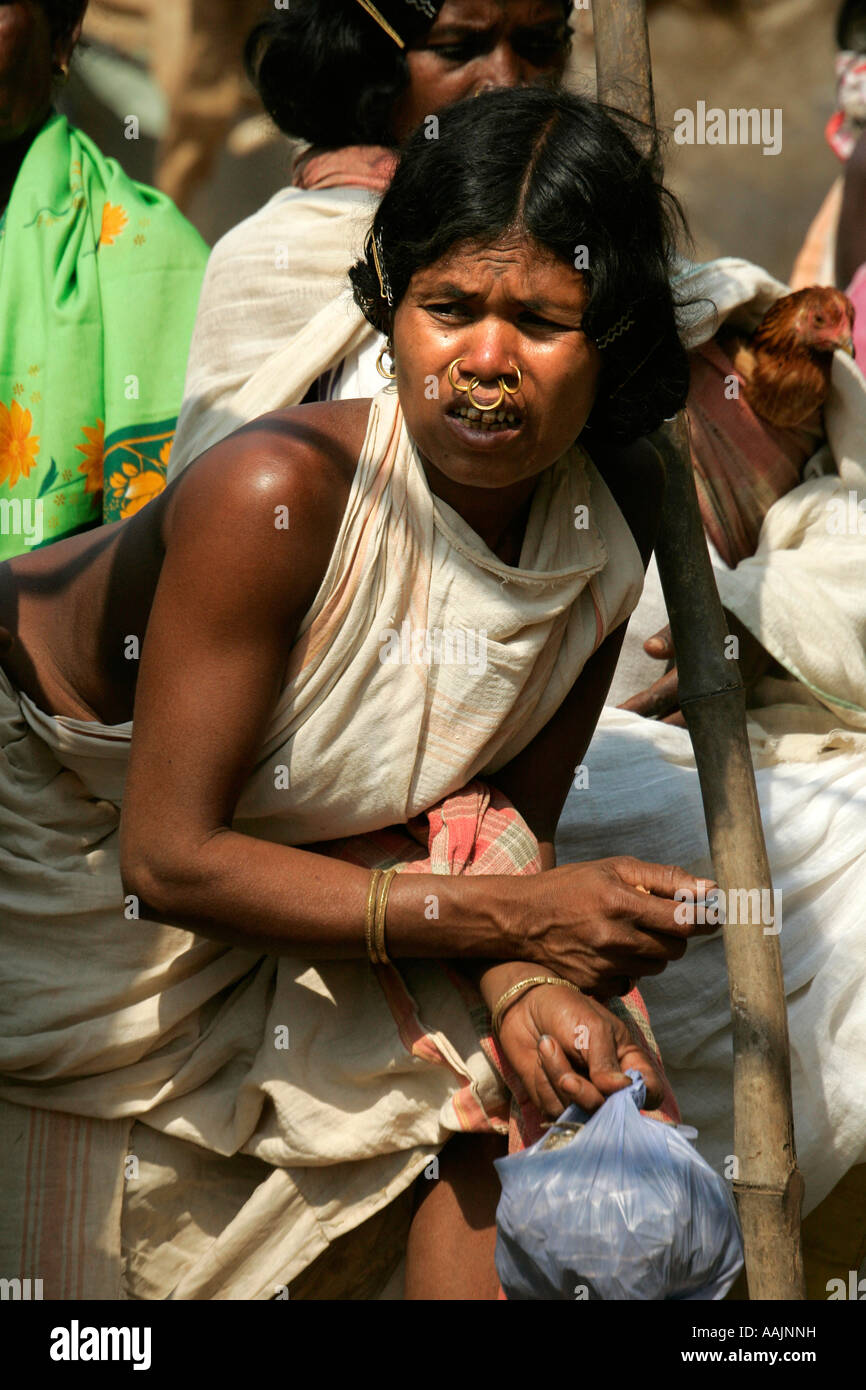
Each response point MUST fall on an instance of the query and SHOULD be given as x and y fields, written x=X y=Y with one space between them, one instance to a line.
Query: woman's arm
x=232 y=592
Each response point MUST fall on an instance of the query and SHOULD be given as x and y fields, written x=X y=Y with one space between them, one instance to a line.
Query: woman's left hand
x=566 y=1047
x=661 y=700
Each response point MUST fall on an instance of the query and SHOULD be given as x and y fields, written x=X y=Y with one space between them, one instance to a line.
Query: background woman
x=275 y=325
x=99 y=279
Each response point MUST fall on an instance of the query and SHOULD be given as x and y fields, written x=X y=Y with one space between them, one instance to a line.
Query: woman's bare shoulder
x=253 y=522
x=263 y=508
x=304 y=458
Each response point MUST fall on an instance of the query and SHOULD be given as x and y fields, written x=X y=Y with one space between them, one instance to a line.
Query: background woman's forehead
x=481 y=11
x=410 y=21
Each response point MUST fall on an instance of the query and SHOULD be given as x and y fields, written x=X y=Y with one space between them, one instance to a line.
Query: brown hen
x=786 y=363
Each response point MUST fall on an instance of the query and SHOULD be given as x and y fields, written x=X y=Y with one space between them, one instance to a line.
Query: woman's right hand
x=605 y=923
x=568 y=1049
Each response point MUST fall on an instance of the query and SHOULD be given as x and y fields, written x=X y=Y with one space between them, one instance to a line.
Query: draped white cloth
x=643 y=798
x=275 y=313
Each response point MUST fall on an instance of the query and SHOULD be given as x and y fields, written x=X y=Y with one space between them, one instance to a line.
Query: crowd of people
x=293 y=954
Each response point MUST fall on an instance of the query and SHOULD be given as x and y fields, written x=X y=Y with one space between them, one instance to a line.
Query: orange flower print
x=18 y=448
x=164 y=453
x=93 y=451
x=134 y=486
x=114 y=219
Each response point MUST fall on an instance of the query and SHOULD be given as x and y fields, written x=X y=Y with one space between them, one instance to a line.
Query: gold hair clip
x=621 y=326
x=384 y=287
x=381 y=21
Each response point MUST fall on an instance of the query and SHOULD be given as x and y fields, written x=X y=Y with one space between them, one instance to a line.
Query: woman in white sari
x=245 y=1044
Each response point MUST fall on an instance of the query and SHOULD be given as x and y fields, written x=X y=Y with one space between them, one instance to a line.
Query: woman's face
x=27 y=60
x=476 y=44
x=499 y=307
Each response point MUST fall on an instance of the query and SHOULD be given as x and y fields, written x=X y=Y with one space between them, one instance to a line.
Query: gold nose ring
x=456 y=384
x=478 y=406
x=513 y=390
x=504 y=389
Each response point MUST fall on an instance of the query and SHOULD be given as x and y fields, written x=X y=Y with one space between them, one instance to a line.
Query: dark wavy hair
x=328 y=74
x=567 y=173
x=63 y=15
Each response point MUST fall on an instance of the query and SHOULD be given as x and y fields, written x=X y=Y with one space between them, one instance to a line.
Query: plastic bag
x=618 y=1207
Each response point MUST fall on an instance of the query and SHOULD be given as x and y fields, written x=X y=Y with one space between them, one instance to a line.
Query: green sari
x=99 y=284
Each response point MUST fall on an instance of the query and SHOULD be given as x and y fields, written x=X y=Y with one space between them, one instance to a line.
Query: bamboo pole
x=767 y=1182
x=768 y=1185
x=623 y=70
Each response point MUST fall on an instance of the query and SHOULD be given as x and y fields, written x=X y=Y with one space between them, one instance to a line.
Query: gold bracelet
x=380 y=954
x=510 y=996
x=369 y=915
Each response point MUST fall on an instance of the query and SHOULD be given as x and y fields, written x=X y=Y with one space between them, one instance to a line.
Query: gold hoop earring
x=389 y=352
x=512 y=390
x=455 y=384
x=478 y=406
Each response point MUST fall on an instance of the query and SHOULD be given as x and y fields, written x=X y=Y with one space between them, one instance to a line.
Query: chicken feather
x=785 y=364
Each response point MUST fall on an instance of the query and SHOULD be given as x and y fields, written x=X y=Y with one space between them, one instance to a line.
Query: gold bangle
x=380 y=954
x=369 y=915
x=510 y=996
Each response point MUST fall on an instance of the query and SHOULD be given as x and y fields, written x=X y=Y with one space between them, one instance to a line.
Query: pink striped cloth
x=353 y=166
x=742 y=463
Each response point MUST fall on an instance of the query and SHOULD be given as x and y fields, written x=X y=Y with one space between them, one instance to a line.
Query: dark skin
x=31 y=59
x=203 y=572
x=661 y=699
x=476 y=44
